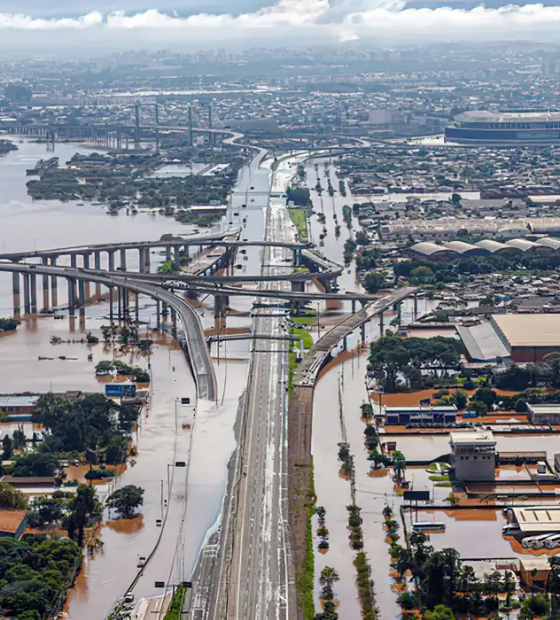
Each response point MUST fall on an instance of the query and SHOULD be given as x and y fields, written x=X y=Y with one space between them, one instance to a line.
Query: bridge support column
x=119 y=304
x=158 y=315
x=174 y=320
x=363 y=333
x=45 y=262
x=123 y=259
x=26 y=301
x=33 y=287
x=141 y=260
x=87 y=294
x=353 y=306
x=220 y=305
x=147 y=260
x=164 y=310
x=15 y=292
x=82 y=298
x=71 y=296
x=177 y=255
x=111 y=255
x=381 y=324
x=296 y=258
x=54 y=285
x=74 y=264
x=97 y=264
x=415 y=306
x=345 y=344
x=168 y=252
x=111 y=315
x=137 y=307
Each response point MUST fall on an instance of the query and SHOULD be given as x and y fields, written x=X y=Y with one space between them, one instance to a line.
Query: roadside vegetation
x=299 y=218
x=306 y=577
x=175 y=609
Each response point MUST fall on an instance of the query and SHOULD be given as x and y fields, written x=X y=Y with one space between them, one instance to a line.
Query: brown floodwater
x=166 y=429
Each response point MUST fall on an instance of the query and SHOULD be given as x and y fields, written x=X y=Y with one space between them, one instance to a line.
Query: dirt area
x=408 y=399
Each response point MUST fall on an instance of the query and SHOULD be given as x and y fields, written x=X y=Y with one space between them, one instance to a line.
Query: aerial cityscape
x=279 y=320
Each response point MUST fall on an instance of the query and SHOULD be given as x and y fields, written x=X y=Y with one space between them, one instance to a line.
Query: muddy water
x=168 y=432
x=372 y=492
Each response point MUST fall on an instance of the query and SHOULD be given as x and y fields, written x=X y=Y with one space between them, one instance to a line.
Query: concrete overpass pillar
x=147 y=260
x=177 y=255
x=87 y=295
x=97 y=265
x=296 y=257
x=158 y=315
x=415 y=306
x=363 y=333
x=54 y=285
x=15 y=292
x=45 y=262
x=137 y=307
x=381 y=324
x=123 y=259
x=174 y=323
x=111 y=255
x=141 y=260
x=82 y=300
x=353 y=306
x=71 y=296
x=164 y=310
x=33 y=287
x=111 y=316
x=74 y=264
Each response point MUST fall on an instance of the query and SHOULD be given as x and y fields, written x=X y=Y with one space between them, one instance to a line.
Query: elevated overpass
x=193 y=339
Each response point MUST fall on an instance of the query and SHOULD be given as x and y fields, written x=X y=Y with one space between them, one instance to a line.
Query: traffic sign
x=119 y=390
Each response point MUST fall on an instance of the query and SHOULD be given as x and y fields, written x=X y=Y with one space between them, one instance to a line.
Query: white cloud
x=312 y=21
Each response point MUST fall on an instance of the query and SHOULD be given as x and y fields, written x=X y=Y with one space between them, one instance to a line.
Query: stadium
x=505 y=128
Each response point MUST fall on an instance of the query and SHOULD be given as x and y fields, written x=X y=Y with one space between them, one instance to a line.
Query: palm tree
x=399 y=464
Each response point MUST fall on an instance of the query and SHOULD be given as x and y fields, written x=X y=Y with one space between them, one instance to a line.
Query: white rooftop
x=472 y=437
x=538 y=518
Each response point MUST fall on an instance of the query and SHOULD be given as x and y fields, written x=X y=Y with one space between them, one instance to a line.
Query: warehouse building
x=528 y=337
x=401 y=416
x=544 y=414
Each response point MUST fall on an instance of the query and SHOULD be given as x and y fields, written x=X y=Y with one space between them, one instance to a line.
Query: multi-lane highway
x=261 y=572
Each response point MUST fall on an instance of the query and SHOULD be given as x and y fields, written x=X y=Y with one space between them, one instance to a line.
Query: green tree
x=422 y=274
x=19 y=439
x=125 y=500
x=373 y=281
x=460 y=399
x=11 y=497
x=7 y=448
x=440 y=612
x=83 y=507
x=399 y=464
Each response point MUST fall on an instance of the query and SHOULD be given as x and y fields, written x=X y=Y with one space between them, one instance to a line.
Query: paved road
x=261 y=568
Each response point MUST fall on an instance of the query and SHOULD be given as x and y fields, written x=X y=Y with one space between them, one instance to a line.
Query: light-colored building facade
x=544 y=414
x=473 y=455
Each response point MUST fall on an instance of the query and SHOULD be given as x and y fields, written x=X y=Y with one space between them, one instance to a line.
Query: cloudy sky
x=194 y=24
